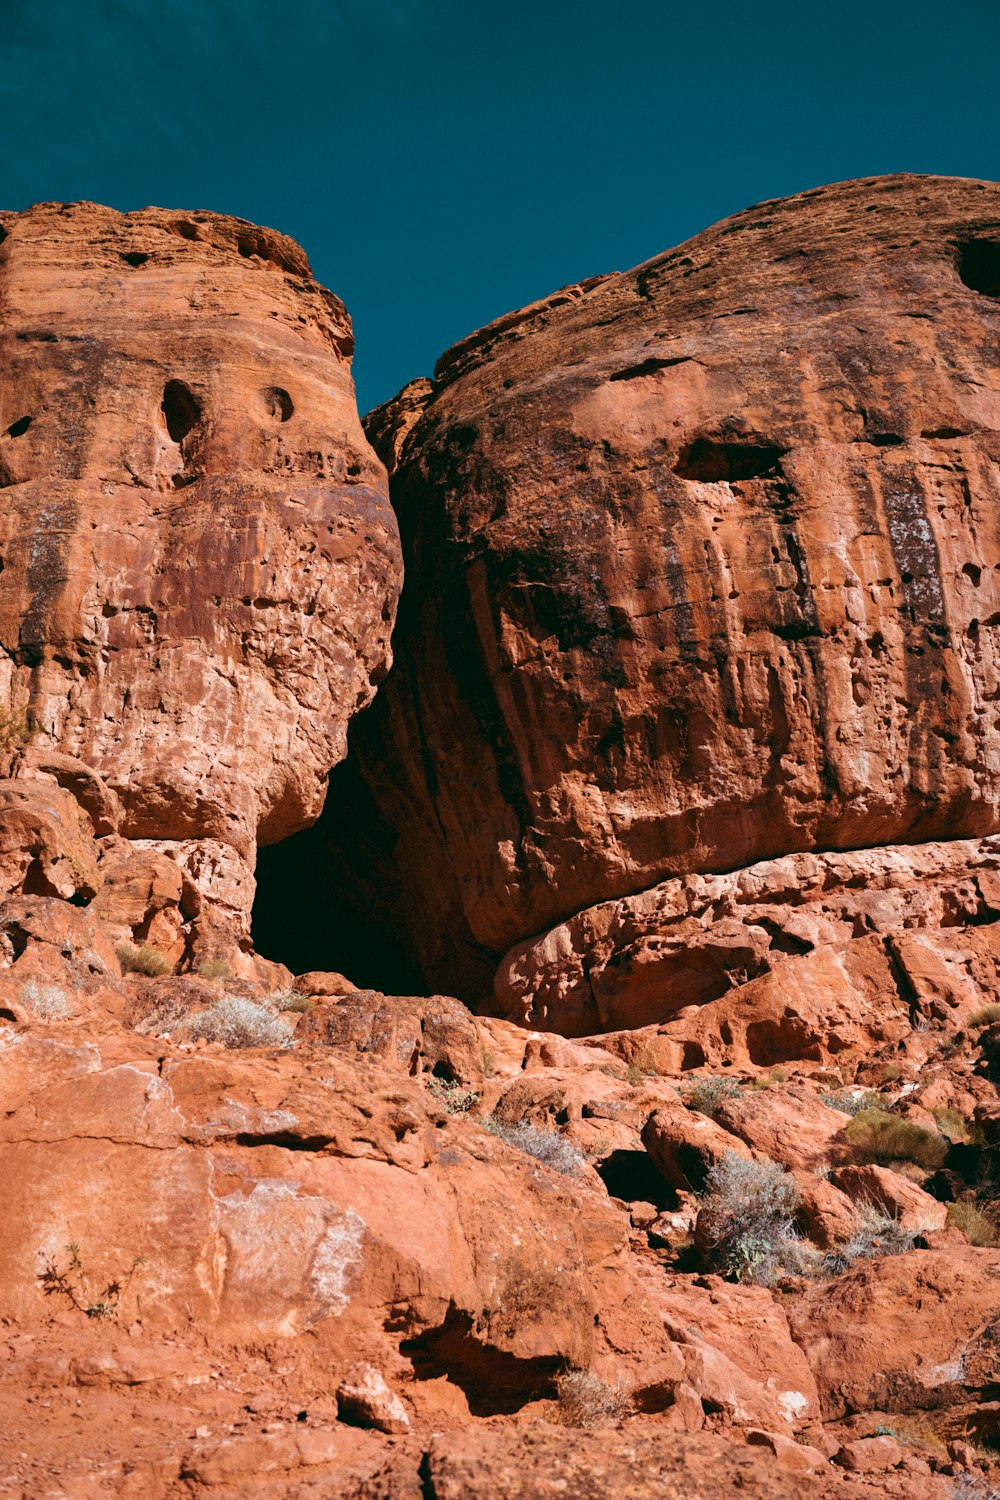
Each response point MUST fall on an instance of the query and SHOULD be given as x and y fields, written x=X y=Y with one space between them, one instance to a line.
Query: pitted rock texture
x=200 y=562
x=703 y=569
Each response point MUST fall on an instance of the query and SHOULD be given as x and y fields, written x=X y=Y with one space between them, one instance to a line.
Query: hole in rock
x=710 y=460
x=972 y=571
x=648 y=367
x=135 y=257
x=495 y=1383
x=979 y=266
x=277 y=403
x=19 y=428
x=943 y=432
x=631 y=1176
x=180 y=410
x=311 y=913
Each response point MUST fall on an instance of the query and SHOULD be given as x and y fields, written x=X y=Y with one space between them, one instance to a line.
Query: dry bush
x=291 y=1000
x=746 y=1218
x=880 y=1137
x=49 y=1002
x=977 y=1226
x=143 y=958
x=214 y=968
x=239 y=1023
x=709 y=1094
x=851 y=1103
x=985 y=1016
x=878 y=1234
x=952 y=1125
x=584 y=1400
x=546 y=1146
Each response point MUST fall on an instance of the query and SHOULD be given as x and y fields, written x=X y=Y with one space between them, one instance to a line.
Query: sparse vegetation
x=214 y=968
x=73 y=1282
x=239 y=1023
x=546 y=1146
x=971 y=1487
x=878 y=1234
x=977 y=1226
x=584 y=1400
x=16 y=729
x=489 y=1058
x=852 y=1103
x=746 y=1217
x=455 y=1099
x=49 y=1002
x=291 y=1000
x=143 y=958
x=878 y=1136
x=985 y=1016
x=952 y=1125
x=892 y=1073
x=709 y=1094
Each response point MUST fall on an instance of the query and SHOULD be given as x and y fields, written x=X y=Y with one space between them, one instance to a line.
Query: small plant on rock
x=73 y=1282
x=214 y=968
x=455 y=1099
x=852 y=1103
x=49 y=1002
x=878 y=1136
x=239 y=1023
x=143 y=958
x=978 y=1228
x=952 y=1125
x=291 y=1000
x=709 y=1094
x=546 y=1146
x=584 y=1400
x=746 y=1217
x=987 y=1015
x=878 y=1234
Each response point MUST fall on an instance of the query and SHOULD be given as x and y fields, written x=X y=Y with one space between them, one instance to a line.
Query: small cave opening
x=711 y=460
x=134 y=258
x=979 y=266
x=19 y=428
x=277 y=403
x=180 y=410
x=314 y=909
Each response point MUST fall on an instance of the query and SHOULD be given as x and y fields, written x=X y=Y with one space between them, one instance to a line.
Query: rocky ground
x=685 y=779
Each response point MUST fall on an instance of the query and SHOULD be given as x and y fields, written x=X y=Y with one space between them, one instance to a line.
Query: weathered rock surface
x=702 y=571
x=200 y=562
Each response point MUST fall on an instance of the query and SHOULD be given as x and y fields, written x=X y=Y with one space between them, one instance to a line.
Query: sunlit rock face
x=703 y=568
x=200 y=564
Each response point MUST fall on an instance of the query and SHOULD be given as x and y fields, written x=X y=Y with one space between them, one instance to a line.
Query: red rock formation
x=702 y=569
x=200 y=564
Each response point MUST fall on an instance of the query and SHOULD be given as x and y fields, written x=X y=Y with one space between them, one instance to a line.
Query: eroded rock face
x=702 y=569
x=200 y=562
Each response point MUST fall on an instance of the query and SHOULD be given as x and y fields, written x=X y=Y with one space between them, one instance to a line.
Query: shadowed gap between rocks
x=494 y=1382
x=312 y=913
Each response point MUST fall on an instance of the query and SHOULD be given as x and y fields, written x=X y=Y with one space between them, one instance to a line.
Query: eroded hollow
x=979 y=266
x=711 y=460
x=19 y=428
x=277 y=403
x=135 y=258
x=180 y=410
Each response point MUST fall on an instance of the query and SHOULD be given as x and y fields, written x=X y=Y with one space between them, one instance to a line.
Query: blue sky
x=443 y=161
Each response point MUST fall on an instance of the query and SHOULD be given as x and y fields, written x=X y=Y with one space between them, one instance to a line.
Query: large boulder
x=702 y=570
x=200 y=562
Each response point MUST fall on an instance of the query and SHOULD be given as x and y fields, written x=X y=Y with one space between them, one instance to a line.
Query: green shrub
x=143 y=958
x=880 y=1137
x=545 y=1146
x=584 y=1400
x=746 y=1217
x=977 y=1226
x=239 y=1023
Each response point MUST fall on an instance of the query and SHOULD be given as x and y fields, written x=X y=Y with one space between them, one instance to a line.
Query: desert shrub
x=143 y=958
x=877 y=1234
x=951 y=1124
x=456 y=1100
x=73 y=1282
x=976 y=1225
x=892 y=1073
x=546 y=1146
x=709 y=1094
x=239 y=1023
x=746 y=1217
x=489 y=1059
x=985 y=1016
x=878 y=1136
x=291 y=1000
x=47 y=1001
x=971 y=1487
x=584 y=1400
x=850 y=1103
x=214 y=968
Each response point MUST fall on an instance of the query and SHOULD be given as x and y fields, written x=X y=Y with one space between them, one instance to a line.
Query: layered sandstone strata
x=703 y=569
x=200 y=562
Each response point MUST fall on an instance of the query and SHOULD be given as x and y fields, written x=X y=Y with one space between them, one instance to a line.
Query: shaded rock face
x=200 y=562
x=702 y=569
